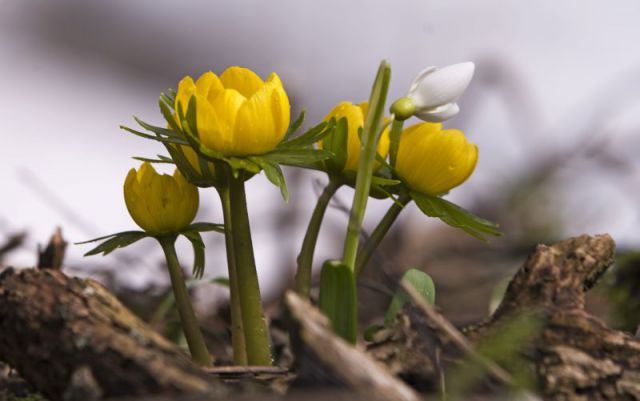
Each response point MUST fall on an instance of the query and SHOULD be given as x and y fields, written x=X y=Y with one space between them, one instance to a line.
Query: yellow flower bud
x=355 y=115
x=237 y=114
x=432 y=161
x=160 y=203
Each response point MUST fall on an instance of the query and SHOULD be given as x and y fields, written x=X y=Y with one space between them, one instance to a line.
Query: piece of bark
x=577 y=357
x=330 y=358
x=52 y=256
x=71 y=338
x=408 y=350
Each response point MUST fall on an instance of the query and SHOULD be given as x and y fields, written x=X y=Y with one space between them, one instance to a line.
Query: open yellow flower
x=432 y=161
x=160 y=203
x=355 y=115
x=237 y=114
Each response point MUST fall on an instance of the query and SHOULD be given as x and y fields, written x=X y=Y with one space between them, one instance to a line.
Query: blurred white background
x=550 y=75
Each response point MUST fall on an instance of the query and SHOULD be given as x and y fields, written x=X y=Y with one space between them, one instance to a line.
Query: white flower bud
x=435 y=91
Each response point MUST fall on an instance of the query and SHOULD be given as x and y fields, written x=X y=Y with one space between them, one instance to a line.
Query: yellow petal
x=186 y=89
x=255 y=127
x=136 y=204
x=207 y=83
x=355 y=121
x=188 y=199
x=209 y=127
x=280 y=107
x=241 y=79
x=383 y=148
x=434 y=161
x=226 y=105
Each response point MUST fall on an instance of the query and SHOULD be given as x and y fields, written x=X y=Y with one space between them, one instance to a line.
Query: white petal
x=439 y=87
x=419 y=78
x=438 y=114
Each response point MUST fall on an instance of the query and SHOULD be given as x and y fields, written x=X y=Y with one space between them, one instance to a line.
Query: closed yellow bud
x=237 y=114
x=160 y=203
x=355 y=115
x=432 y=161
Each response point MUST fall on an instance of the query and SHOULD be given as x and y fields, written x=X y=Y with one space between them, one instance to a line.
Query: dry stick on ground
x=70 y=337
x=14 y=241
x=330 y=355
x=447 y=329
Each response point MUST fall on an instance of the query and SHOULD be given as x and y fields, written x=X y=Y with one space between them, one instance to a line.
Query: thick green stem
x=190 y=326
x=394 y=140
x=370 y=136
x=305 y=257
x=255 y=330
x=237 y=330
x=367 y=249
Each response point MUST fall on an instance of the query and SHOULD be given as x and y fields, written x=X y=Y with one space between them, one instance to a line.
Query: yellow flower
x=237 y=114
x=432 y=161
x=160 y=204
x=355 y=115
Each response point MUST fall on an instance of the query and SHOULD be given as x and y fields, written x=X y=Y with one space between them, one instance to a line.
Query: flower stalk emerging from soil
x=305 y=257
x=190 y=326
x=256 y=339
x=371 y=134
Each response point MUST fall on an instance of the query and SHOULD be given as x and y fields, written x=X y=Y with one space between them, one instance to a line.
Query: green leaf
x=383 y=181
x=223 y=281
x=200 y=227
x=455 y=216
x=180 y=160
x=171 y=93
x=246 y=164
x=164 y=132
x=338 y=298
x=309 y=138
x=155 y=138
x=115 y=241
x=297 y=157
x=158 y=160
x=336 y=143
x=167 y=113
x=419 y=280
x=274 y=174
x=198 y=252
x=295 y=125
x=191 y=115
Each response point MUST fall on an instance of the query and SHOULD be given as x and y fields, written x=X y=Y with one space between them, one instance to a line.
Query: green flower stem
x=255 y=329
x=237 y=328
x=394 y=140
x=305 y=257
x=366 y=251
x=370 y=135
x=190 y=326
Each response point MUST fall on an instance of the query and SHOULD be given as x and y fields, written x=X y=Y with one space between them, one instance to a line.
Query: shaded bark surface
x=72 y=339
x=576 y=356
